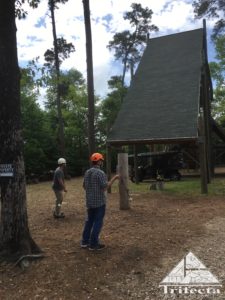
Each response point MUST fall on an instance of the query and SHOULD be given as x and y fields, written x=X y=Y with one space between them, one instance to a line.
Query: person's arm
x=84 y=185
x=85 y=180
x=112 y=180
x=62 y=183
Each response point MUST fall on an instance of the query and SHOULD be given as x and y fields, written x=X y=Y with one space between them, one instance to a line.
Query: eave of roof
x=153 y=141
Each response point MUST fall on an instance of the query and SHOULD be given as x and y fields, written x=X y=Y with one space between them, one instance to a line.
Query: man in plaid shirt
x=95 y=185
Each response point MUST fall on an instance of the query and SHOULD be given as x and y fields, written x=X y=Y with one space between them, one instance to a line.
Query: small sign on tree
x=6 y=170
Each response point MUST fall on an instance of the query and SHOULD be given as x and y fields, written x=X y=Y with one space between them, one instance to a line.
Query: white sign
x=190 y=276
x=6 y=170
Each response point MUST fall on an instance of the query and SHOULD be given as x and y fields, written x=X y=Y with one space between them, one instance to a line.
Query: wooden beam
x=123 y=181
x=108 y=165
x=119 y=143
x=136 y=165
x=191 y=157
x=207 y=106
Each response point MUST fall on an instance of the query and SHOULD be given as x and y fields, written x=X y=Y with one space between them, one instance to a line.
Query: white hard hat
x=61 y=161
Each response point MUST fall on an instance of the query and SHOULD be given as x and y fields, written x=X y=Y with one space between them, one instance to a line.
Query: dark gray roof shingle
x=163 y=100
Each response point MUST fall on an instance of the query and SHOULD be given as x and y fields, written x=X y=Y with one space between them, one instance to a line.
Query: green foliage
x=140 y=19
x=64 y=49
x=111 y=105
x=74 y=113
x=129 y=45
x=41 y=127
x=55 y=2
x=39 y=146
x=214 y=9
x=19 y=11
x=35 y=159
x=217 y=69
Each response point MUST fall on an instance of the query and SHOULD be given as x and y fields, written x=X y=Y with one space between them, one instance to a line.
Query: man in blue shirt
x=95 y=185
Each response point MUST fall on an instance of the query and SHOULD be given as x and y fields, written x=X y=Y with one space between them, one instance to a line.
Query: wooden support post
x=123 y=181
x=151 y=147
x=207 y=127
x=202 y=156
x=108 y=165
x=207 y=98
x=136 y=165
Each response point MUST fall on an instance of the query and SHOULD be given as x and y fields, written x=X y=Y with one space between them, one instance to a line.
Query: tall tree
x=217 y=69
x=56 y=42
x=111 y=105
x=129 y=45
x=75 y=109
x=15 y=238
x=40 y=146
x=214 y=9
x=90 y=79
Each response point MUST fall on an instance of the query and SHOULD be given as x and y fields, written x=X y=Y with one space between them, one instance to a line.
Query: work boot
x=58 y=216
x=97 y=247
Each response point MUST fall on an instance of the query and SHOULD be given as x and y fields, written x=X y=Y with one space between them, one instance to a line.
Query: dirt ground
x=143 y=246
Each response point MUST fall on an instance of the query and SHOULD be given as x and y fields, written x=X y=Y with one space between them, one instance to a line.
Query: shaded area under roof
x=162 y=103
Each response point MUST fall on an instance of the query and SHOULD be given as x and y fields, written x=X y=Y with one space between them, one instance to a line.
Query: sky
x=34 y=34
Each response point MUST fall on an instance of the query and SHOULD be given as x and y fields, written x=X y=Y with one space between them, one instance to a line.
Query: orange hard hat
x=97 y=157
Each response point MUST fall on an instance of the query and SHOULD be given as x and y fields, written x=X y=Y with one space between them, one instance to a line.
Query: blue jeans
x=93 y=225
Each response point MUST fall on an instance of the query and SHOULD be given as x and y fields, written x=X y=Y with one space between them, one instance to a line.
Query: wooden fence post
x=123 y=181
x=136 y=165
x=108 y=165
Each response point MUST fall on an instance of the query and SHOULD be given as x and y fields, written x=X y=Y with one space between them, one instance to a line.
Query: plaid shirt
x=95 y=183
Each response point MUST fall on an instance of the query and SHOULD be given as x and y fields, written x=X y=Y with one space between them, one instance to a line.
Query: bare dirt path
x=143 y=246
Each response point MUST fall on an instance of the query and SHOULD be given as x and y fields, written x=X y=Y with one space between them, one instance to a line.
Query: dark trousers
x=93 y=225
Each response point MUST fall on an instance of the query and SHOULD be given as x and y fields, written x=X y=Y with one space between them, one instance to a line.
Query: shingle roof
x=163 y=100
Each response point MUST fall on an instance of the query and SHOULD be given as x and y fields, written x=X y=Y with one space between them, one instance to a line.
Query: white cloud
x=170 y=16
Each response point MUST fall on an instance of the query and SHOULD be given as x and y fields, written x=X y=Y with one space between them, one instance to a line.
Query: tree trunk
x=131 y=71
x=62 y=150
x=125 y=65
x=15 y=238
x=90 y=80
x=124 y=72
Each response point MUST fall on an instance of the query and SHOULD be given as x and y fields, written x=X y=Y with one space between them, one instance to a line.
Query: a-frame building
x=169 y=98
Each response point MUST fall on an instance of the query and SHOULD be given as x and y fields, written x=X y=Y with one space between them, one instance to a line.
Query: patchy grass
x=185 y=187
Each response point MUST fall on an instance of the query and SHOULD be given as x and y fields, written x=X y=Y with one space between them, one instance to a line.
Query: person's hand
x=117 y=177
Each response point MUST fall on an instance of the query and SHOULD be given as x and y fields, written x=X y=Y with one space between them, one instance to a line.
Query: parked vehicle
x=153 y=164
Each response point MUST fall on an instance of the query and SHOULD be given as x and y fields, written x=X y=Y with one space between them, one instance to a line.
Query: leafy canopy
x=214 y=9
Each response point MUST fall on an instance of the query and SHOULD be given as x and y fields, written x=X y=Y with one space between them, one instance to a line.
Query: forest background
x=41 y=120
